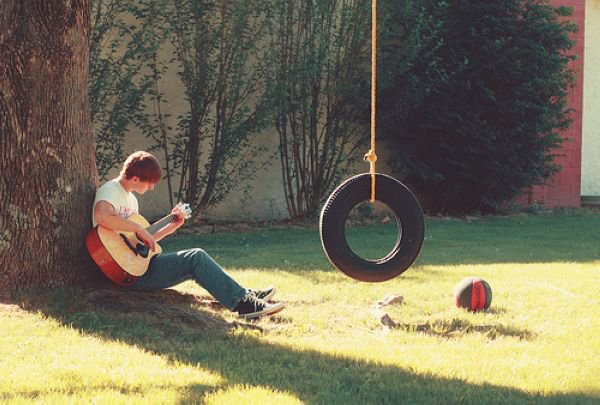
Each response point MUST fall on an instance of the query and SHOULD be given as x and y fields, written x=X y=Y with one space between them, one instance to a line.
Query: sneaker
x=265 y=294
x=251 y=307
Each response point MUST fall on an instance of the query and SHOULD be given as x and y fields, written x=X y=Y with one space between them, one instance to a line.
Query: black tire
x=409 y=217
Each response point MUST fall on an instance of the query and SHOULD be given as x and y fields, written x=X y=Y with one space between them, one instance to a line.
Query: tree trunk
x=47 y=166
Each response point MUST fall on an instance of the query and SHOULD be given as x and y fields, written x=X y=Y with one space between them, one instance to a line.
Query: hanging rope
x=371 y=156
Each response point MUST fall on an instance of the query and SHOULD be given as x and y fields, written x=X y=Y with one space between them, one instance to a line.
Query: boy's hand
x=178 y=218
x=147 y=238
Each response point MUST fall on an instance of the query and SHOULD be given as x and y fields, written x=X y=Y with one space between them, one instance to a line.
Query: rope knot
x=370 y=156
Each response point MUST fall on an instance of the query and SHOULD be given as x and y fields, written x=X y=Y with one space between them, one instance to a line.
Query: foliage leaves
x=314 y=65
x=120 y=46
x=243 y=66
x=473 y=97
x=216 y=44
x=210 y=46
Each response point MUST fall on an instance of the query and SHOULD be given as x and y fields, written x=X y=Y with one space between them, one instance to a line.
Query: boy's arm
x=104 y=214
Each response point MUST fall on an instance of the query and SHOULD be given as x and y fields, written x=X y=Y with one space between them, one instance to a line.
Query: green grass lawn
x=538 y=343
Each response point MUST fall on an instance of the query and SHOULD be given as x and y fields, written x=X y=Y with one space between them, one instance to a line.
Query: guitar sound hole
x=142 y=250
x=138 y=249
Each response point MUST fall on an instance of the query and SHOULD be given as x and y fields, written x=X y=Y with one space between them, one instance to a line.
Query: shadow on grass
x=190 y=330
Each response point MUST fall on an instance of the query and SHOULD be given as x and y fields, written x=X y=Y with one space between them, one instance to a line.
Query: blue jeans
x=169 y=269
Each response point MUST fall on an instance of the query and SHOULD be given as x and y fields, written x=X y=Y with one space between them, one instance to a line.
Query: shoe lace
x=252 y=299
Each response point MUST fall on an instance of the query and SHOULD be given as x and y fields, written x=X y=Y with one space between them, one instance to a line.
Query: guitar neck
x=161 y=223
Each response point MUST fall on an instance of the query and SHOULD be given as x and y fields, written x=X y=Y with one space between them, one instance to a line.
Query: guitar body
x=120 y=255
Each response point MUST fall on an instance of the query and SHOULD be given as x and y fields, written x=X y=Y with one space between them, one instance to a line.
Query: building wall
x=265 y=200
x=260 y=197
x=590 y=165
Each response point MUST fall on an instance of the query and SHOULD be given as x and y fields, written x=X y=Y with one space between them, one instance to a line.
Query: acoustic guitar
x=122 y=256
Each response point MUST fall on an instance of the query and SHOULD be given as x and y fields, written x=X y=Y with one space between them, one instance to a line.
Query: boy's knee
x=199 y=255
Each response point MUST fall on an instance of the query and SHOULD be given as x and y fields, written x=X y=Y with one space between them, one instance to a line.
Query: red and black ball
x=473 y=293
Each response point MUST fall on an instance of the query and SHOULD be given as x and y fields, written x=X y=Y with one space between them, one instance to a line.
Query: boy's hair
x=143 y=165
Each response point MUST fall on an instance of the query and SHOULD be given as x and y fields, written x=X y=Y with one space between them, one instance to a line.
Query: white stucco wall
x=265 y=200
x=590 y=164
x=264 y=197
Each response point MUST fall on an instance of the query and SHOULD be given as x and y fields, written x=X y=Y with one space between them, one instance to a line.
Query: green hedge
x=473 y=97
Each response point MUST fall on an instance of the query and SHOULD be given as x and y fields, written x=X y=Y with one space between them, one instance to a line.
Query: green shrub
x=473 y=97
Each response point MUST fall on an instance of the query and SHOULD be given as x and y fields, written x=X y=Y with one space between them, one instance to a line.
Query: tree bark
x=47 y=166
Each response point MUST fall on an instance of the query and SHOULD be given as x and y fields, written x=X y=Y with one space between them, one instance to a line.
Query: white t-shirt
x=113 y=192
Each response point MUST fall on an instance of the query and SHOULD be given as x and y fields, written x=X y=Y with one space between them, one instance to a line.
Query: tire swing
x=360 y=188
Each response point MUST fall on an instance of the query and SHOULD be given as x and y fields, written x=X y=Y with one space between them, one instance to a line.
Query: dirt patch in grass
x=455 y=328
